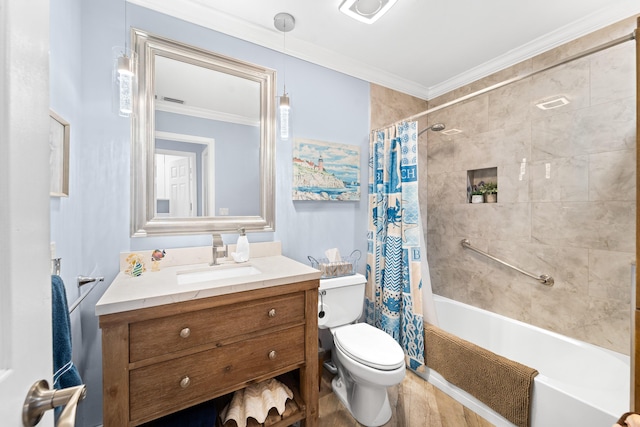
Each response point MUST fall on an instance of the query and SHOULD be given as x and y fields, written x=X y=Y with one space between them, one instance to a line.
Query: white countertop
x=155 y=288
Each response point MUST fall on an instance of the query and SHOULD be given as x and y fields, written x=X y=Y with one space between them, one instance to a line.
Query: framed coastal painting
x=59 y=136
x=325 y=171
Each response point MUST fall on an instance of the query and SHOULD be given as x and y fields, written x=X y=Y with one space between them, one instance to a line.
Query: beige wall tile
x=596 y=129
x=570 y=80
x=389 y=106
x=566 y=191
x=610 y=275
x=513 y=182
x=560 y=179
x=593 y=225
x=506 y=145
x=612 y=176
x=613 y=74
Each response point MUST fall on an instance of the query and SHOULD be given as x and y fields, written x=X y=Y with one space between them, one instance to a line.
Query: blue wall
x=234 y=143
x=91 y=227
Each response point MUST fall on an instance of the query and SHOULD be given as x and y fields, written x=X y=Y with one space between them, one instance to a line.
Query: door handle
x=40 y=399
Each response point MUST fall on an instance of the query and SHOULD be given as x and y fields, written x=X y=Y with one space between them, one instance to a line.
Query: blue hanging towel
x=65 y=373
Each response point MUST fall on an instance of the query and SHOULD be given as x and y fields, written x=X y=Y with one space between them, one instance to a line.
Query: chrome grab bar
x=545 y=279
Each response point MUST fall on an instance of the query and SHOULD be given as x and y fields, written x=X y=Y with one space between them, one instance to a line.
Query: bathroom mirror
x=203 y=141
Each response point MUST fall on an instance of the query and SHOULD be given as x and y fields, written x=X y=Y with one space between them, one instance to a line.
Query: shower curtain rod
x=587 y=52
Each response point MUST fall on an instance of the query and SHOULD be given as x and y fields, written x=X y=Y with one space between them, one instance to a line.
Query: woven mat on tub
x=500 y=383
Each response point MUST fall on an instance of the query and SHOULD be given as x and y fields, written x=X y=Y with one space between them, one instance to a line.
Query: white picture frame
x=59 y=138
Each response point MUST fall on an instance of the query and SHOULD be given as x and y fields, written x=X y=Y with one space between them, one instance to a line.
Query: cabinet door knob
x=184 y=382
x=272 y=312
x=185 y=332
x=272 y=354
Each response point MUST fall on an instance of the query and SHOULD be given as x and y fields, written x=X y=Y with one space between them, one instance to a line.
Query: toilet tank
x=340 y=300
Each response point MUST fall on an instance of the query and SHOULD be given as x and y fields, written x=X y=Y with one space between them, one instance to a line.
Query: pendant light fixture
x=284 y=22
x=124 y=76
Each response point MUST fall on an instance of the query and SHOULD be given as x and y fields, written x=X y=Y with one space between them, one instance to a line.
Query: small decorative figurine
x=135 y=265
x=156 y=257
x=137 y=269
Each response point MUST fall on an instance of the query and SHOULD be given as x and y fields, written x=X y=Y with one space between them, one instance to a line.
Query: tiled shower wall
x=566 y=192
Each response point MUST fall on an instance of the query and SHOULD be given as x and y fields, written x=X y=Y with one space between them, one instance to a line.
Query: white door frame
x=191 y=157
x=209 y=200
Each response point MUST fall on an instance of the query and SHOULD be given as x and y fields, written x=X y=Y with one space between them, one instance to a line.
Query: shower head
x=436 y=127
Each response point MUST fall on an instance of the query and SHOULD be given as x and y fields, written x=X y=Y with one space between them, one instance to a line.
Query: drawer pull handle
x=184 y=333
x=185 y=382
x=272 y=312
x=272 y=354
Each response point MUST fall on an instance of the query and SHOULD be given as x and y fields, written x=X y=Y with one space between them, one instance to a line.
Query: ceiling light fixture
x=284 y=22
x=124 y=78
x=367 y=11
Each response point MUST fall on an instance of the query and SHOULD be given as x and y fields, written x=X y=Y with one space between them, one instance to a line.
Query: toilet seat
x=369 y=346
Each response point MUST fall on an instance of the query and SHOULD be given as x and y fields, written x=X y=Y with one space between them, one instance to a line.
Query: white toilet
x=368 y=360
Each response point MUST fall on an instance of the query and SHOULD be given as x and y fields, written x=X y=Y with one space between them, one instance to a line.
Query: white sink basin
x=215 y=273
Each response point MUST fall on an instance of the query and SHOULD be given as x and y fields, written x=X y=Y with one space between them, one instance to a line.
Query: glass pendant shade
x=285 y=110
x=284 y=22
x=125 y=81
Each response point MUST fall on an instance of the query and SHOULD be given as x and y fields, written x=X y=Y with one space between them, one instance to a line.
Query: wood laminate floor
x=414 y=403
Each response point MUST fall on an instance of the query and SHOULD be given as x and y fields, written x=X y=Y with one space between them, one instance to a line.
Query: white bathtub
x=578 y=384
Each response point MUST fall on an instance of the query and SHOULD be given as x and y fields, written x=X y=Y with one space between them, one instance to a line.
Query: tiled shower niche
x=477 y=177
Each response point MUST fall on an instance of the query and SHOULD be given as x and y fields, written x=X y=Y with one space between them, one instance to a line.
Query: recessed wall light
x=367 y=11
x=555 y=102
x=451 y=132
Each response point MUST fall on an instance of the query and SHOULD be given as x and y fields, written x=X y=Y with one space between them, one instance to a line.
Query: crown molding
x=192 y=11
x=203 y=113
x=181 y=137
x=575 y=30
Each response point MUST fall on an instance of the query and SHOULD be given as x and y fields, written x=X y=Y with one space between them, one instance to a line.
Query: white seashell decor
x=255 y=401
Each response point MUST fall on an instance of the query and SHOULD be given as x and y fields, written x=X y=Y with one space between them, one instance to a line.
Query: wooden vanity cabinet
x=163 y=359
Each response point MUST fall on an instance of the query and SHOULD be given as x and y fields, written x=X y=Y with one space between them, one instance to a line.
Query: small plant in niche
x=477 y=190
x=490 y=190
x=477 y=193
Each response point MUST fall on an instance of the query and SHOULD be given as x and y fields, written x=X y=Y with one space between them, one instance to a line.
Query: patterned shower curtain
x=393 y=300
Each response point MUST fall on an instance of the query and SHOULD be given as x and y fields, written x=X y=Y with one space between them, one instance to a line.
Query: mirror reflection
x=203 y=142
x=228 y=109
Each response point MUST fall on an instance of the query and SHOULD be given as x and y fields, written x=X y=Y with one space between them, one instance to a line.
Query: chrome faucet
x=216 y=249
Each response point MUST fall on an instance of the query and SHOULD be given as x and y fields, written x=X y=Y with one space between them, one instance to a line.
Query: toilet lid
x=369 y=346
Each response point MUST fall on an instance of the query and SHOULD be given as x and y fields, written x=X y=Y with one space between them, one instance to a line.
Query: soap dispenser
x=242 y=248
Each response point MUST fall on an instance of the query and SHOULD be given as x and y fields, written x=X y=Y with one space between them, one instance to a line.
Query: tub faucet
x=216 y=249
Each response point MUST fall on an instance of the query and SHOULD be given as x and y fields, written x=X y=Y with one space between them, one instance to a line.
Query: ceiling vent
x=177 y=101
x=367 y=11
x=554 y=102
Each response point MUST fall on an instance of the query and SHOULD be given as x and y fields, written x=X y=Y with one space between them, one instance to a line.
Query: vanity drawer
x=169 y=334
x=168 y=386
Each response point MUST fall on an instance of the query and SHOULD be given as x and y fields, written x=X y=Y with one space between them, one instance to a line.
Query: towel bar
x=83 y=280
